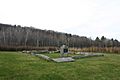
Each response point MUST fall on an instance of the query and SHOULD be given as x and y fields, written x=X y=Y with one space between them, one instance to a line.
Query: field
x=21 y=66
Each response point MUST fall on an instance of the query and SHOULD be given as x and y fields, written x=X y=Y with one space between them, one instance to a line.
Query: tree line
x=16 y=37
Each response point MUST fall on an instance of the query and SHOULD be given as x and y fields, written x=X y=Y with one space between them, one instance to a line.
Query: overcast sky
x=89 y=18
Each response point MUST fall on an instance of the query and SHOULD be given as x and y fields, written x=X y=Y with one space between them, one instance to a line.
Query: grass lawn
x=58 y=55
x=20 y=66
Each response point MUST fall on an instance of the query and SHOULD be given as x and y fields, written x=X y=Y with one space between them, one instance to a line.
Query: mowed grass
x=58 y=55
x=21 y=66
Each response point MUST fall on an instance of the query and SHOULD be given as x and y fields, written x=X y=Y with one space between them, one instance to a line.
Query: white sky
x=89 y=18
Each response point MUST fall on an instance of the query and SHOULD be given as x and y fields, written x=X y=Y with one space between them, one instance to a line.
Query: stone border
x=66 y=59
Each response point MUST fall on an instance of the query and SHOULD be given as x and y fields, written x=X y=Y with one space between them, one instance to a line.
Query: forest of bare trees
x=15 y=37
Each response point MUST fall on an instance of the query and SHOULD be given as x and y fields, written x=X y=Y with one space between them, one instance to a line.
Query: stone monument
x=64 y=50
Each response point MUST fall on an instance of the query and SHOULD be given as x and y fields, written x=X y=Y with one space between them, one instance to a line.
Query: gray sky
x=89 y=18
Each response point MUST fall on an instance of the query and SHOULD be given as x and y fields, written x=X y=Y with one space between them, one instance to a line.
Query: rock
x=44 y=57
x=64 y=59
x=87 y=55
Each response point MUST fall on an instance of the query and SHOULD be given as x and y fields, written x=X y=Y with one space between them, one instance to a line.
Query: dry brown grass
x=97 y=49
